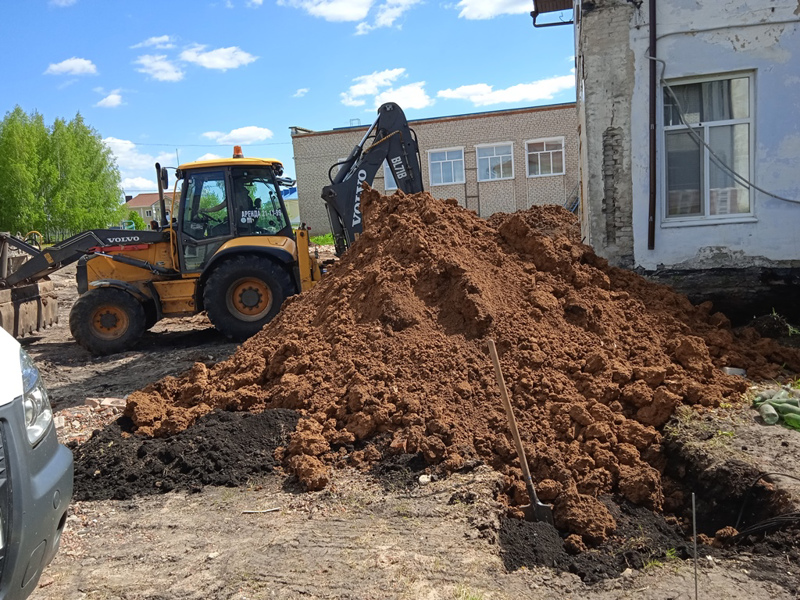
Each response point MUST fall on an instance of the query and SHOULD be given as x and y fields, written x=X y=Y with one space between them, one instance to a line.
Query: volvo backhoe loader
x=225 y=245
x=228 y=248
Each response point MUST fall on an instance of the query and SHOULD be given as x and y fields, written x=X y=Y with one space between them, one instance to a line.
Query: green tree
x=58 y=178
x=138 y=221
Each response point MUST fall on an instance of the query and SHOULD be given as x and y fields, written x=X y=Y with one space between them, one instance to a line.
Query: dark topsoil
x=222 y=449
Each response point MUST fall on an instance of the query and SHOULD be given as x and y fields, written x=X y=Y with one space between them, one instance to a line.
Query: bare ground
x=355 y=539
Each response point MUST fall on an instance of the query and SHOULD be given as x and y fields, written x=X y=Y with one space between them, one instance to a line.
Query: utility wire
x=750 y=491
x=212 y=145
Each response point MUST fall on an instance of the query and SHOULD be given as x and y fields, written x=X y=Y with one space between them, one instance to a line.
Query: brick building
x=499 y=161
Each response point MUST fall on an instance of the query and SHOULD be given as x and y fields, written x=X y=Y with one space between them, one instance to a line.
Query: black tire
x=150 y=315
x=244 y=293
x=107 y=320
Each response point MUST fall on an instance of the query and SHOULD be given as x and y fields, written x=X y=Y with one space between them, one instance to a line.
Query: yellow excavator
x=225 y=246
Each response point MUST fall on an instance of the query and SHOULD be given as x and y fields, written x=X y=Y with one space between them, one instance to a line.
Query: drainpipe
x=651 y=217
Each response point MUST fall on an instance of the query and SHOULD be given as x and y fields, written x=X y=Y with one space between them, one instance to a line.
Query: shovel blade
x=539 y=513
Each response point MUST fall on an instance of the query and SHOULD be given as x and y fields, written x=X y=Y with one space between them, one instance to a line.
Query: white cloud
x=300 y=93
x=408 y=96
x=485 y=9
x=221 y=58
x=391 y=10
x=242 y=135
x=332 y=10
x=134 y=185
x=158 y=67
x=133 y=163
x=369 y=85
x=482 y=94
x=388 y=13
x=255 y=3
x=209 y=156
x=113 y=100
x=72 y=66
x=161 y=42
x=62 y=3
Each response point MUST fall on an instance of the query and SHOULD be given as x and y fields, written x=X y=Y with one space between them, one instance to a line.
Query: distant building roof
x=142 y=200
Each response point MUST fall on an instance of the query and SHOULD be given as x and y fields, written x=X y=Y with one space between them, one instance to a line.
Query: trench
x=728 y=493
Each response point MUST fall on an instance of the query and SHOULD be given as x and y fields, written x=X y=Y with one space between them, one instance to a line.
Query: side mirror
x=164 y=178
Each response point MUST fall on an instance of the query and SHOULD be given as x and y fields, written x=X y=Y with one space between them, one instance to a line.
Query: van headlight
x=38 y=413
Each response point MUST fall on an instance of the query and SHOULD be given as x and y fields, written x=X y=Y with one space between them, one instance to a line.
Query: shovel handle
x=512 y=422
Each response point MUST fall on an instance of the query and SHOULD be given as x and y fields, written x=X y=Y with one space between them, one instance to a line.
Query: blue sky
x=186 y=79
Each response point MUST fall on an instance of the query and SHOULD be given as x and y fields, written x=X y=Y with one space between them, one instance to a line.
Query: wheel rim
x=249 y=299
x=110 y=322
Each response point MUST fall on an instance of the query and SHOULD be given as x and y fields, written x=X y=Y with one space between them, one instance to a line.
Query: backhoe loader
x=225 y=246
x=228 y=248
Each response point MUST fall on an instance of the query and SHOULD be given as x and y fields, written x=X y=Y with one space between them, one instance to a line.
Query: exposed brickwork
x=605 y=66
x=315 y=152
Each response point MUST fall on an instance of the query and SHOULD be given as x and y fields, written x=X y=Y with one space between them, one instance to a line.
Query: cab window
x=257 y=204
x=205 y=222
x=205 y=213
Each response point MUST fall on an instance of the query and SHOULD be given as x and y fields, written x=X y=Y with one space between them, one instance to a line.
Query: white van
x=35 y=474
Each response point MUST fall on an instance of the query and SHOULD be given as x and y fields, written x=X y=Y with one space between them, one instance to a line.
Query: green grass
x=323 y=240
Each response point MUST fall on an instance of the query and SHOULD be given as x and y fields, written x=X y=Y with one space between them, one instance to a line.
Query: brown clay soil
x=388 y=356
x=384 y=372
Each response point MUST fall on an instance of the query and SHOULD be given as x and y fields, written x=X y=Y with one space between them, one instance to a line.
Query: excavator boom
x=393 y=142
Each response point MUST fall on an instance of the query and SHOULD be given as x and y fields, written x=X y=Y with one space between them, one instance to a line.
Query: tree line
x=60 y=178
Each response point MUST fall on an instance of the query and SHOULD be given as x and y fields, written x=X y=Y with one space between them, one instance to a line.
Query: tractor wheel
x=244 y=293
x=107 y=320
x=150 y=315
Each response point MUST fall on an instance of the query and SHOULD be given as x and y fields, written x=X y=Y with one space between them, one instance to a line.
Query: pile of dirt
x=388 y=356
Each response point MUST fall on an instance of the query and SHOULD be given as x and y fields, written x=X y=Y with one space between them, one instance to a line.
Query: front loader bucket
x=28 y=308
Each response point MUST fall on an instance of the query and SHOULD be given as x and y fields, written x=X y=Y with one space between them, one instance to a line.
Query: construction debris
x=388 y=356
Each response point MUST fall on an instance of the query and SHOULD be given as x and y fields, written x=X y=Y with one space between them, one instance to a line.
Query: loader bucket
x=28 y=308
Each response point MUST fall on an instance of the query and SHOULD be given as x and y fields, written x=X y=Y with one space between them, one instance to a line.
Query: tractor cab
x=228 y=199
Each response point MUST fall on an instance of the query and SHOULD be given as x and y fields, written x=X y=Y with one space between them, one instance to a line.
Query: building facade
x=500 y=161
x=689 y=126
x=147 y=206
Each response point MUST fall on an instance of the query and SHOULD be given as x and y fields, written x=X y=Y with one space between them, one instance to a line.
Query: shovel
x=536 y=510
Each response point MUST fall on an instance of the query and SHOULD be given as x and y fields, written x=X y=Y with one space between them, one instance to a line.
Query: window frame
x=463 y=166
x=706 y=218
x=478 y=161
x=563 y=141
x=388 y=176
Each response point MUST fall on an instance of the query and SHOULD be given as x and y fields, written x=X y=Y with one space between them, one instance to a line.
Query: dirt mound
x=388 y=356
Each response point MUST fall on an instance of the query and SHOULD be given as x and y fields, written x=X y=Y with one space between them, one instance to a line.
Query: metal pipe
x=3 y=258
x=651 y=216
x=161 y=204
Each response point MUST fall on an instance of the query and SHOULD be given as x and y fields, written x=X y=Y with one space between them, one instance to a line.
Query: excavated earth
x=386 y=361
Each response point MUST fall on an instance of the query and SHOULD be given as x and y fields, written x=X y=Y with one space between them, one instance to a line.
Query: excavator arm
x=393 y=142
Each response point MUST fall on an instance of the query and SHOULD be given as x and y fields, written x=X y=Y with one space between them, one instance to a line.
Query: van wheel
x=245 y=293
x=107 y=320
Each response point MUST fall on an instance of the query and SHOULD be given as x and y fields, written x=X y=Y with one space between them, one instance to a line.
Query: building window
x=708 y=138
x=545 y=157
x=388 y=178
x=148 y=213
x=495 y=161
x=446 y=166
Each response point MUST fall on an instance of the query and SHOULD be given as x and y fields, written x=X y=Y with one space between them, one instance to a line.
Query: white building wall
x=743 y=38
x=704 y=38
